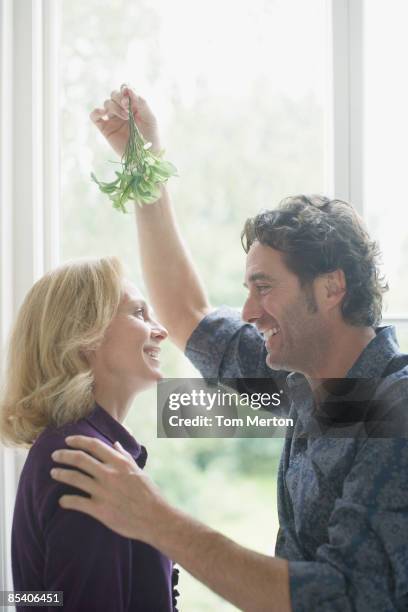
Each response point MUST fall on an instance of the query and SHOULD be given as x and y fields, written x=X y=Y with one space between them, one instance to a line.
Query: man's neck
x=342 y=351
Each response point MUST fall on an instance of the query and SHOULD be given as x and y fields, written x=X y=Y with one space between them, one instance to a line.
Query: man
x=314 y=301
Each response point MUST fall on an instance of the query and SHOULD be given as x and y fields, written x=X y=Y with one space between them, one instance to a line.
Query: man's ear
x=335 y=286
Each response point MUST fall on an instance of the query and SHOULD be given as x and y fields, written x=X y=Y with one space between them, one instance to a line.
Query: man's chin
x=273 y=365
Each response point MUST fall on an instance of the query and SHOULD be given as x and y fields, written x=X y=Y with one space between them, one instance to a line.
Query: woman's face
x=130 y=353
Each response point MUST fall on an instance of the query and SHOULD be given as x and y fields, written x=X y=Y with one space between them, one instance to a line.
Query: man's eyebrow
x=260 y=276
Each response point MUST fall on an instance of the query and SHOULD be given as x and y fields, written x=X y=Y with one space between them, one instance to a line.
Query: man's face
x=287 y=314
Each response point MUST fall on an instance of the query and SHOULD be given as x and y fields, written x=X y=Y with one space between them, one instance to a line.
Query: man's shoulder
x=219 y=324
x=391 y=400
x=398 y=364
x=395 y=376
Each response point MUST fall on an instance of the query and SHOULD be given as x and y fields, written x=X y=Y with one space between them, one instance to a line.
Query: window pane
x=386 y=134
x=239 y=89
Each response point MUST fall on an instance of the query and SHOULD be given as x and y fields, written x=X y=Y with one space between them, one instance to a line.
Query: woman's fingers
x=74 y=479
x=78 y=459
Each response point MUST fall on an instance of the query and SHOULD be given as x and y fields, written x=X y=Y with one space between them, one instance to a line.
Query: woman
x=84 y=344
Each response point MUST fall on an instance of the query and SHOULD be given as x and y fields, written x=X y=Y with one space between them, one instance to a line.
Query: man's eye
x=139 y=312
x=262 y=288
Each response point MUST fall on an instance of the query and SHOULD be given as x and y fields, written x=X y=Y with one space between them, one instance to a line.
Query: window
x=240 y=92
x=385 y=102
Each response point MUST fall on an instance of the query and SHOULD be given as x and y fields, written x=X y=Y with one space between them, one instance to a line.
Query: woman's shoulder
x=53 y=438
x=36 y=487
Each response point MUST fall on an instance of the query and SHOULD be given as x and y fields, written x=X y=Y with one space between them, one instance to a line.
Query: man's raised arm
x=173 y=283
x=174 y=287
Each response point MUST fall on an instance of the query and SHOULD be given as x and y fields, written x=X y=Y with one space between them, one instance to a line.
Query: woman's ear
x=87 y=355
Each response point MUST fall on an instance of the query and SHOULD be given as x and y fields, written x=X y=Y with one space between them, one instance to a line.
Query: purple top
x=63 y=550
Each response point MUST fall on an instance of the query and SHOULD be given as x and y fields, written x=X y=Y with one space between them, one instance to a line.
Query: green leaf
x=142 y=172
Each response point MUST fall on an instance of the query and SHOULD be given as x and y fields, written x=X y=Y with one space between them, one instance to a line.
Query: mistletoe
x=141 y=173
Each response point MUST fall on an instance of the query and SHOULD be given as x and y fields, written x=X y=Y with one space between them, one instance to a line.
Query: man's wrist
x=156 y=144
x=164 y=525
x=153 y=205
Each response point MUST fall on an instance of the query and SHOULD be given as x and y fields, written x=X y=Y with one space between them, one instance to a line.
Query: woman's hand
x=122 y=497
x=112 y=120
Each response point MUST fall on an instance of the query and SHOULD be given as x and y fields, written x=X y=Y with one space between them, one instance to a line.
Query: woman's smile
x=153 y=352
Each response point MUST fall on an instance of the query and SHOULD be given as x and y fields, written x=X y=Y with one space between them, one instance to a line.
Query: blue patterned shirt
x=342 y=501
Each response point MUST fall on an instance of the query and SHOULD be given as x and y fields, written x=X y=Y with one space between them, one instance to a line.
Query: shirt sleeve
x=364 y=564
x=224 y=346
x=83 y=558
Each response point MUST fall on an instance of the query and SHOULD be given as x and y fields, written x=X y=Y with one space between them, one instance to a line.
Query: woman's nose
x=159 y=333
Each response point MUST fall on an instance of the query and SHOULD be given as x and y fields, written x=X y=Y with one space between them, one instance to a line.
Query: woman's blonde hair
x=48 y=379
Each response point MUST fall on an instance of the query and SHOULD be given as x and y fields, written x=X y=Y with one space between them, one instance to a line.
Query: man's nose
x=252 y=310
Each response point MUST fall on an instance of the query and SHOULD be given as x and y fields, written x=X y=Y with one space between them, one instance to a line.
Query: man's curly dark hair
x=317 y=235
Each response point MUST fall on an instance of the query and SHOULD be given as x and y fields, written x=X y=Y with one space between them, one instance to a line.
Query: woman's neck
x=117 y=402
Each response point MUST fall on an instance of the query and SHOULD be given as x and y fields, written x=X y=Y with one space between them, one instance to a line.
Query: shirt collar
x=377 y=354
x=371 y=363
x=111 y=429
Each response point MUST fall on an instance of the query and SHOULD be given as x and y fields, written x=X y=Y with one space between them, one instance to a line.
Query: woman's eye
x=139 y=312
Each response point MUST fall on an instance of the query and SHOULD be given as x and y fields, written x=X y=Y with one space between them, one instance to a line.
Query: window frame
x=345 y=117
x=29 y=211
x=29 y=208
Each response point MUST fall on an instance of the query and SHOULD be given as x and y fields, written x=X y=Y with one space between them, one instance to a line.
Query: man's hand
x=174 y=286
x=122 y=497
x=112 y=120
